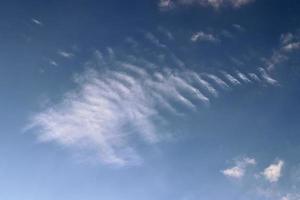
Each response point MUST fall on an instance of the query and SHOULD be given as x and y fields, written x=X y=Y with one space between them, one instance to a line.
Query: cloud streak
x=216 y=4
x=289 y=43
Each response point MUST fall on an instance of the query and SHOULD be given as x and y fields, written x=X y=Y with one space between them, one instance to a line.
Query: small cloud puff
x=65 y=54
x=273 y=172
x=37 y=22
x=202 y=36
x=239 y=170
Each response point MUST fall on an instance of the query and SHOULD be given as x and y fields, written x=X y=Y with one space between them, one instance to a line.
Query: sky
x=150 y=100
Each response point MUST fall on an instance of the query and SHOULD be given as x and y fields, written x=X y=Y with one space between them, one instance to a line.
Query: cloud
x=216 y=4
x=65 y=54
x=286 y=38
x=53 y=63
x=273 y=172
x=254 y=77
x=202 y=36
x=122 y=99
x=166 y=32
x=239 y=170
x=267 y=77
x=256 y=185
x=154 y=40
x=291 y=196
x=231 y=78
x=291 y=46
x=288 y=43
x=234 y=172
x=108 y=107
x=243 y=77
x=37 y=22
x=166 y=4
x=218 y=81
x=238 y=27
x=203 y=83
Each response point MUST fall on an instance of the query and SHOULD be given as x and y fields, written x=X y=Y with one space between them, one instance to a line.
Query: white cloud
x=243 y=77
x=218 y=81
x=288 y=44
x=286 y=38
x=203 y=83
x=109 y=106
x=238 y=171
x=273 y=172
x=216 y=4
x=234 y=172
x=267 y=77
x=202 y=36
x=37 y=22
x=65 y=54
x=291 y=46
x=165 y=4
x=231 y=78
x=254 y=77
x=53 y=63
x=240 y=3
x=115 y=103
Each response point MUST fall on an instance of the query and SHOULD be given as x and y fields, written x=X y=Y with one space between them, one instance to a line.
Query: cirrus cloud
x=216 y=4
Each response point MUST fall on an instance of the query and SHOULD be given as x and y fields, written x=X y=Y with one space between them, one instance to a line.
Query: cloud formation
x=121 y=98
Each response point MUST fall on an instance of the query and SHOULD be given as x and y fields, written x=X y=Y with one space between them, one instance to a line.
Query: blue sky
x=150 y=100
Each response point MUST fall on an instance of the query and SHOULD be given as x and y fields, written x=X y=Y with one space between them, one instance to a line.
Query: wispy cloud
x=291 y=46
x=288 y=43
x=152 y=38
x=218 y=81
x=231 y=78
x=166 y=32
x=202 y=36
x=65 y=54
x=166 y=4
x=216 y=4
x=53 y=63
x=267 y=77
x=108 y=107
x=286 y=38
x=254 y=77
x=122 y=97
x=238 y=27
x=37 y=22
x=243 y=77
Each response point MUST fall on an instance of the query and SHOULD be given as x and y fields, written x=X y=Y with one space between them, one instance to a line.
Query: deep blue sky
x=149 y=99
